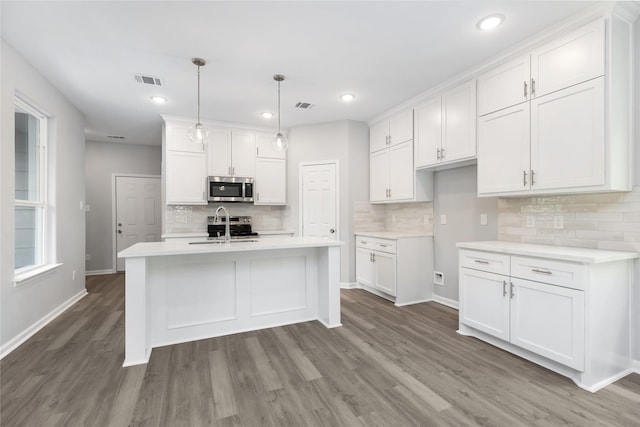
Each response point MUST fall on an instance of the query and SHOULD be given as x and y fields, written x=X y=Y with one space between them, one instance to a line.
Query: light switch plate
x=483 y=219
x=443 y=219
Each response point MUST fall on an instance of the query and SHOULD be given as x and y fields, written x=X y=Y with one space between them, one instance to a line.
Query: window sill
x=24 y=277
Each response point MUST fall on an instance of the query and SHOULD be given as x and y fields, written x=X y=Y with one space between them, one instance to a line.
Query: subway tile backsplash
x=601 y=221
x=193 y=219
x=398 y=217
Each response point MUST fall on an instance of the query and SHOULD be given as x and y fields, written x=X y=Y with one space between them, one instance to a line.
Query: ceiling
x=385 y=52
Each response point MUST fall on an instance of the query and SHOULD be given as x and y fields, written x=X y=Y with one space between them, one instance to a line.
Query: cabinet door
x=379 y=176
x=385 y=272
x=504 y=86
x=264 y=147
x=568 y=137
x=185 y=178
x=401 y=171
x=459 y=123
x=378 y=136
x=569 y=60
x=270 y=182
x=364 y=267
x=428 y=132
x=401 y=127
x=549 y=320
x=484 y=302
x=243 y=154
x=177 y=138
x=219 y=153
x=503 y=151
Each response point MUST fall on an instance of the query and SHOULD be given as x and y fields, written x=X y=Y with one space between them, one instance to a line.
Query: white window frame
x=45 y=257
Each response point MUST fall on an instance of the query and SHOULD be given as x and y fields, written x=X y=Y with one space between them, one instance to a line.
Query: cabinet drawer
x=376 y=244
x=485 y=261
x=566 y=274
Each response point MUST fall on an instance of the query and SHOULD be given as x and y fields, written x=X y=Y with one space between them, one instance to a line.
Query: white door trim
x=300 y=192
x=114 y=248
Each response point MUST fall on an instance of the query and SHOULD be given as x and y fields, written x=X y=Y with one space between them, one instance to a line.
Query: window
x=31 y=208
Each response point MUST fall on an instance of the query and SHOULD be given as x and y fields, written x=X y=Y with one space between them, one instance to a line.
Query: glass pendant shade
x=199 y=134
x=280 y=142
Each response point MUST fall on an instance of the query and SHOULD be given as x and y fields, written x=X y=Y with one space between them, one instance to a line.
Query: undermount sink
x=218 y=242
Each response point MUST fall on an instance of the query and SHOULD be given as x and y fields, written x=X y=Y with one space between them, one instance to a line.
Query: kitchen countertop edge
x=564 y=253
x=391 y=234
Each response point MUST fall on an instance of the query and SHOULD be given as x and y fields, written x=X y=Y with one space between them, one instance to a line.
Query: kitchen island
x=176 y=291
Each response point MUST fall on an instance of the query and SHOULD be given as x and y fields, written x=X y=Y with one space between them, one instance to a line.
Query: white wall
x=102 y=160
x=456 y=197
x=347 y=142
x=636 y=80
x=24 y=306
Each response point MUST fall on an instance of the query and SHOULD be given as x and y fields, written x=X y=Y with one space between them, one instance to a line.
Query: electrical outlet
x=531 y=221
x=73 y=275
x=438 y=278
x=558 y=222
x=483 y=219
x=443 y=219
x=87 y=208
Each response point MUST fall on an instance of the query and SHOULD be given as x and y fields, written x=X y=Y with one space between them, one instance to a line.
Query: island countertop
x=181 y=247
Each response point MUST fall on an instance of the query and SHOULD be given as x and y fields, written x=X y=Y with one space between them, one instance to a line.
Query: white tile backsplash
x=193 y=219
x=395 y=217
x=604 y=221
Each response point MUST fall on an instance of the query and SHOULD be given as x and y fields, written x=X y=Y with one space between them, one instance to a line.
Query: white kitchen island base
x=176 y=292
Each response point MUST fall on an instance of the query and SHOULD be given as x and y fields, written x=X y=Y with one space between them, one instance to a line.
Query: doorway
x=137 y=213
x=319 y=199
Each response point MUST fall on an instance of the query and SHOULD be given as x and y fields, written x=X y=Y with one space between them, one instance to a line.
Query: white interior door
x=319 y=200
x=137 y=212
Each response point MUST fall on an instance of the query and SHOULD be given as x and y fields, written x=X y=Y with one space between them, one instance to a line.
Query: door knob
x=119 y=224
x=332 y=231
x=119 y=231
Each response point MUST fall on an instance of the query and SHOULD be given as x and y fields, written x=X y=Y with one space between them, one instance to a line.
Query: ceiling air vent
x=115 y=137
x=149 y=80
x=304 y=105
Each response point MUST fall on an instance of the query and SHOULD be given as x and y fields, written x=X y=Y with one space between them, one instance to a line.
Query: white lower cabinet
x=570 y=315
x=396 y=268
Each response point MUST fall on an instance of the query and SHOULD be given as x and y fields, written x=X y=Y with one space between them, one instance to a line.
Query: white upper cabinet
x=573 y=133
x=177 y=138
x=264 y=147
x=396 y=130
x=574 y=58
x=231 y=153
x=271 y=182
x=445 y=127
x=504 y=86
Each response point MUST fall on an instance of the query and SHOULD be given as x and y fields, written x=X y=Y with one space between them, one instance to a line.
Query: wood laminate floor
x=387 y=366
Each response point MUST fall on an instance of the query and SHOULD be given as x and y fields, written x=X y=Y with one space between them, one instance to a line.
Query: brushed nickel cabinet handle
x=533 y=177
x=525 y=89
x=512 y=291
x=538 y=270
x=533 y=86
x=481 y=261
x=504 y=288
x=524 y=178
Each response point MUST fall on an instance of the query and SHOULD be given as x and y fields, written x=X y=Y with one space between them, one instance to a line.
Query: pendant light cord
x=279 y=107
x=198 y=94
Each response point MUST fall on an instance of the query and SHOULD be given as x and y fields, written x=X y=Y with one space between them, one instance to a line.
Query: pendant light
x=198 y=133
x=280 y=142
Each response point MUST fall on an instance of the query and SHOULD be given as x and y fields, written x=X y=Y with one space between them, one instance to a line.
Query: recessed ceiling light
x=490 y=22
x=347 y=97
x=266 y=115
x=159 y=99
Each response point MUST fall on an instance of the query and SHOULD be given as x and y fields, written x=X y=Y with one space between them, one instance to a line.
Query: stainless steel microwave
x=230 y=189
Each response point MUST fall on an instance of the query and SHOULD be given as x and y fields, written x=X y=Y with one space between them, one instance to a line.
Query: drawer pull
x=481 y=261
x=381 y=245
x=537 y=270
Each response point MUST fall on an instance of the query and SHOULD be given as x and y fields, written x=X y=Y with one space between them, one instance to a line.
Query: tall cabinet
x=556 y=120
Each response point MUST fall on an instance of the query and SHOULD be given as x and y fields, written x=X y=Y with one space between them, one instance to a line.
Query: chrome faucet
x=227 y=233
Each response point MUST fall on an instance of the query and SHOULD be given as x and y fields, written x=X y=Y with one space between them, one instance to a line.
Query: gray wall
x=23 y=307
x=456 y=197
x=347 y=142
x=102 y=160
x=636 y=80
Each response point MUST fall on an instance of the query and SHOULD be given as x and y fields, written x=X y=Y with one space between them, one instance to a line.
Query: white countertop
x=183 y=235
x=391 y=234
x=181 y=247
x=564 y=253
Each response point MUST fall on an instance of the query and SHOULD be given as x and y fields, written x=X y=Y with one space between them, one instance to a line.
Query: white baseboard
x=445 y=301
x=98 y=272
x=33 y=329
x=635 y=366
x=348 y=285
